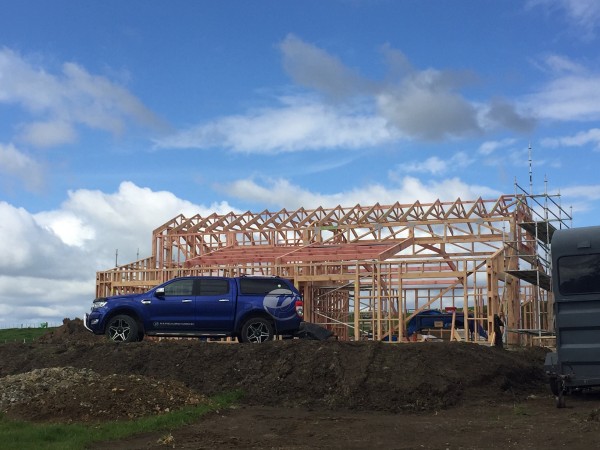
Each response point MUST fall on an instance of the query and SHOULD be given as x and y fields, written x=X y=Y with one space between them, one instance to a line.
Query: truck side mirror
x=160 y=292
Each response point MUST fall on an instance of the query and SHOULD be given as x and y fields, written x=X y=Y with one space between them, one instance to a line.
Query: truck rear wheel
x=257 y=330
x=122 y=328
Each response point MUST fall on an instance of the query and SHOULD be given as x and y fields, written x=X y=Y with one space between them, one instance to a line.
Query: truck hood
x=113 y=298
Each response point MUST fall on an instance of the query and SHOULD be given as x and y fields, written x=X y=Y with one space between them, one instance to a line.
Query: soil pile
x=65 y=394
x=329 y=374
x=70 y=331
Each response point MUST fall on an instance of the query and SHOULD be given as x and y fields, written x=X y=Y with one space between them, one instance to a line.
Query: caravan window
x=579 y=274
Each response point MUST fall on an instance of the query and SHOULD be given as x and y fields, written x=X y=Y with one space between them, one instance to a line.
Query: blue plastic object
x=430 y=318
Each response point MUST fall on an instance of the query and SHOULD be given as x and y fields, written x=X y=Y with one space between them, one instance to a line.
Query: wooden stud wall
x=364 y=271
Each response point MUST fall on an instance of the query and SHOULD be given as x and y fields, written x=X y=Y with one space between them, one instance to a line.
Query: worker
x=498 y=328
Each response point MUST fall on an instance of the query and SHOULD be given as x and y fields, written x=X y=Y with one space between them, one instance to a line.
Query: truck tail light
x=299 y=308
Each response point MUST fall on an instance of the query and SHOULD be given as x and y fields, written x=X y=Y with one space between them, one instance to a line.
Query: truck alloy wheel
x=122 y=328
x=257 y=330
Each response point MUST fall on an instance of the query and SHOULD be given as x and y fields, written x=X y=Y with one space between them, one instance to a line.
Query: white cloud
x=570 y=97
x=28 y=247
x=48 y=134
x=500 y=113
x=435 y=165
x=562 y=64
x=425 y=104
x=489 y=147
x=421 y=111
x=18 y=226
x=299 y=124
x=584 y=15
x=583 y=12
x=590 y=137
x=428 y=104
x=73 y=97
x=504 y=154
x=32 y=300
x=69 y=228
x=580 y=199
x=16 y=164
x=124 y=220
x=589 y=192
x=571 y=92
x=347 y=110
x=50 y=259
x=314 y=68
x=281 y=193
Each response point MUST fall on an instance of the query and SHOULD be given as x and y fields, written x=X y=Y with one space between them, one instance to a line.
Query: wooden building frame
x=366 y=271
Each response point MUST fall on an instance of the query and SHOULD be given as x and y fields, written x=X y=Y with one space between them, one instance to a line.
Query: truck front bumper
x=91 y=323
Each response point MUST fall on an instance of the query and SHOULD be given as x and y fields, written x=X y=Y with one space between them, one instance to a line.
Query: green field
x=22 y=334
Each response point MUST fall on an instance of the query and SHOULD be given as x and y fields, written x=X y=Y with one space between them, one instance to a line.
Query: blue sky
x=116 y=116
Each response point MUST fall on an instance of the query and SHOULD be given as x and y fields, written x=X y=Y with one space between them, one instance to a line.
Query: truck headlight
x=97 y=305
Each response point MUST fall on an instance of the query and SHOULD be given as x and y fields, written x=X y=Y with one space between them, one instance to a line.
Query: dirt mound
x=72 y=330
x=298 y=394
x=65 y=394
x=330 y=374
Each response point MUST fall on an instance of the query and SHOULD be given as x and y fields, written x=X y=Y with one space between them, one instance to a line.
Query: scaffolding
x=366 y=271
x=531 y=262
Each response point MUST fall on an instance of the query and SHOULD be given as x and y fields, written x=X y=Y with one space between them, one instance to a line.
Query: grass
x=19 y=435
x=520 y=410
x=22 y=334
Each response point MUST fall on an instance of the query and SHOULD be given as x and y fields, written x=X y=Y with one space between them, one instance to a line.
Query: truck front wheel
x=122 y=328
x=257 y=330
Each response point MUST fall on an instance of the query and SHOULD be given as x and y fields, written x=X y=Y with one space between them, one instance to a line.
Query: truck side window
x=251 y=286
x=213 y=286
x=179 y=287
x=579 y=274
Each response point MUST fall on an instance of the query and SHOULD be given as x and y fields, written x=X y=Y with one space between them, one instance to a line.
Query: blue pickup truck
x=253 y=309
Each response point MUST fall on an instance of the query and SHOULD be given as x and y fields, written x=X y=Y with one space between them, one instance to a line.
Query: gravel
x=67 y=393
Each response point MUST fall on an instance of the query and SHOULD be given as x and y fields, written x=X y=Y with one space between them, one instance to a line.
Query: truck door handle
x=186 y=301
x=146 y=302
x=223 y=299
